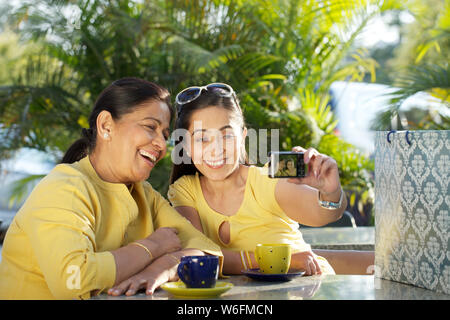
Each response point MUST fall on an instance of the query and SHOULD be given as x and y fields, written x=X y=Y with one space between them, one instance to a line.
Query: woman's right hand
x=154 y=275
x=164 y=240
x=306 y=260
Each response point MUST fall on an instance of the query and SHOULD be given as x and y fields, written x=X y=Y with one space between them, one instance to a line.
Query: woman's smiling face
x=138 y=141
x=216 y=142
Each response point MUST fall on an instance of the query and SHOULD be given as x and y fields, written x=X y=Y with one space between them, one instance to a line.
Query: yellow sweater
x=58 y=245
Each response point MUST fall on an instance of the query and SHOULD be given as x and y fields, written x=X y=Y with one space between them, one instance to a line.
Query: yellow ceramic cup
x=273 y=258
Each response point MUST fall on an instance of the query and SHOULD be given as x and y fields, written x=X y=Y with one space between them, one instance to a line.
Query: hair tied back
x=87 y=133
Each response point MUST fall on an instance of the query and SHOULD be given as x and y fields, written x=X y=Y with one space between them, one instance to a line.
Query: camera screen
x=287 y=165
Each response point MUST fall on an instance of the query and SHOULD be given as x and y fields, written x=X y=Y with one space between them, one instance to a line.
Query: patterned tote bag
x=412 y=208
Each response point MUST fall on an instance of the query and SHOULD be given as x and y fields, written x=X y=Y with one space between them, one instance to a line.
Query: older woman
x=94 y=222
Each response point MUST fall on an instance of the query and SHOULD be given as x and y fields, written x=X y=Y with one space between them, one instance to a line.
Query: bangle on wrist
x=143 y=247
x=331 y=205
x=246 y=261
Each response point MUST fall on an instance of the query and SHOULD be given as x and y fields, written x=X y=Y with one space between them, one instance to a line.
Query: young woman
x=239 y=206
x=94 y=222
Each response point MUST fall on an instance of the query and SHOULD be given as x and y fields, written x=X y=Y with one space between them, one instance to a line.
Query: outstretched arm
x=299 y=197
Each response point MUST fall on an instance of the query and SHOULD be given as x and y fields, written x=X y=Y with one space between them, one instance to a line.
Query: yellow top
x=59 y=243
x=258 y=220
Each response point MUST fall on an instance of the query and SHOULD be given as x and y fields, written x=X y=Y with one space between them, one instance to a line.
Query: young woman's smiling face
x=138 y=141
x=216 y=142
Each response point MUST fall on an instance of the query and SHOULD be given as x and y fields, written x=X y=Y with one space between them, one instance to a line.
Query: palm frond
x=38 y=107
x=22 y=187
x=317 y=106
x=200 y=59
x=429 y=78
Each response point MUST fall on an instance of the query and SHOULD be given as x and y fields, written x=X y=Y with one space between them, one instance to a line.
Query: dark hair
x=184 y=114
x=119 y=98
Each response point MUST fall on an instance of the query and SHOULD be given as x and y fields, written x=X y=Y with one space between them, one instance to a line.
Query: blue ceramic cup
x=199 y=271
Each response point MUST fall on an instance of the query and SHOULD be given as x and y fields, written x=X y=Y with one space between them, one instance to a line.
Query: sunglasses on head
x=190 y=94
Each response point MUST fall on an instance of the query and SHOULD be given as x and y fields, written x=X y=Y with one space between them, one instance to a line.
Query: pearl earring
x=106 y=135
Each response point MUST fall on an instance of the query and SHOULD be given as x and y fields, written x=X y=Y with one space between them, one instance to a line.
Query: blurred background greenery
x=280 y=56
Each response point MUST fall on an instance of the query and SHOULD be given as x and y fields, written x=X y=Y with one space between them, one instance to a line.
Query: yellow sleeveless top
x=258 y=220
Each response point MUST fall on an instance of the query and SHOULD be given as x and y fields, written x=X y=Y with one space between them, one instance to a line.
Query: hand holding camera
x=311 y=168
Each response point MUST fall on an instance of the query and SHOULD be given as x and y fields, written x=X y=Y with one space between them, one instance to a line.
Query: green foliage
x=355 y=171
x=417 y=64
x=432 y=23
x=279 y=56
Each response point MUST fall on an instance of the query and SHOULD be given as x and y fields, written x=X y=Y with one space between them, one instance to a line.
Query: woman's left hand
x=162 y=270
x=323 y=173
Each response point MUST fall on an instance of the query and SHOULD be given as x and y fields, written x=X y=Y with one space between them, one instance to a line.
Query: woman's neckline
x=197 y=177
x=87 y=164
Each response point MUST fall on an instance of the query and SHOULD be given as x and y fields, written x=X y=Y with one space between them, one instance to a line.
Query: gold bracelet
x=249 y=260
x=145 y=248
x=243 y=259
